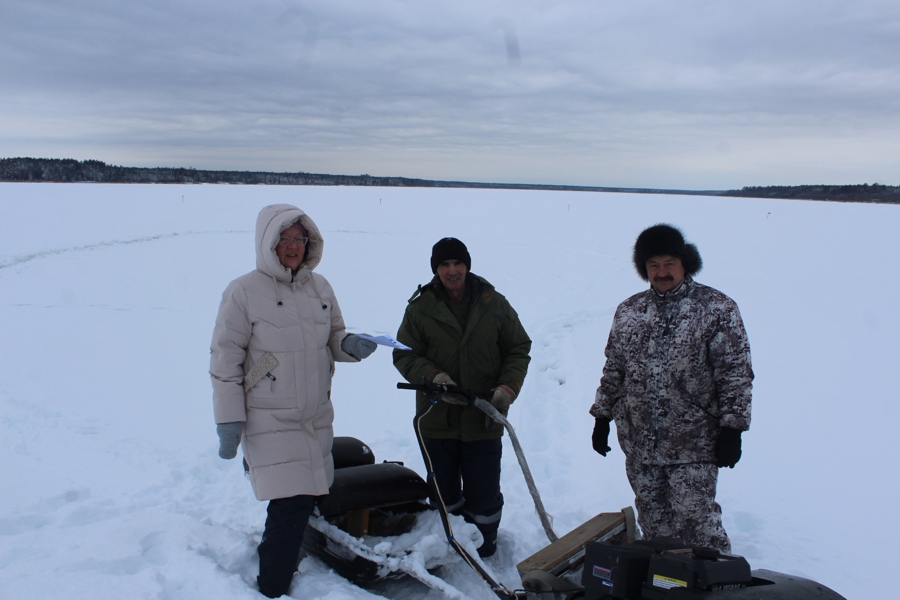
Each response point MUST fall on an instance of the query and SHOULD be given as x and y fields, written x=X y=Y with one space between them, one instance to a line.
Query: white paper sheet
x=384 y=340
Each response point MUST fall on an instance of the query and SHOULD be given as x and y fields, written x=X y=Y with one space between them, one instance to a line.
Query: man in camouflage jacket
x=463 y=332
x=677 y=383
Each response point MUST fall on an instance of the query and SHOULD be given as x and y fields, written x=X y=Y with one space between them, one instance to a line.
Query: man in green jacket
x=462 y=332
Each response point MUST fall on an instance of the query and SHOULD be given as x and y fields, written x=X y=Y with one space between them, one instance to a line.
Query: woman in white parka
x=283 y=319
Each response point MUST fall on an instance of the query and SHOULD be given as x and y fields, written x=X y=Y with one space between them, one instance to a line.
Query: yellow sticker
x=661 y=581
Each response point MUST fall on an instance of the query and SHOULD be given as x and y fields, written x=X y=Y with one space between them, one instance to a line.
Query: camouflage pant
x=679 y=501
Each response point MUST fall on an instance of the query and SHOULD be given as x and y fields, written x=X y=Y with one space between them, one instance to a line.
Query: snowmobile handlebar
x=437 y=388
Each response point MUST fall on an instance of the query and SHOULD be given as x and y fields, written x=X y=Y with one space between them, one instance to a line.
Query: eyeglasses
x=287 y=241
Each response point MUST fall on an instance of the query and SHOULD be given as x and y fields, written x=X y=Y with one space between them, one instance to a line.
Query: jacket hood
x=274 y=219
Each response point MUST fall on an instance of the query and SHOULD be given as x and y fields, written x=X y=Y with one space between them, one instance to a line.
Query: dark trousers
x=468 y=477
x=280 y=546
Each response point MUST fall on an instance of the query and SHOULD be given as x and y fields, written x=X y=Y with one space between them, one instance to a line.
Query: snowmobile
x=377 y=522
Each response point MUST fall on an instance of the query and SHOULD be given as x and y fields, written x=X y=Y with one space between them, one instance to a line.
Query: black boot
x=489 y=533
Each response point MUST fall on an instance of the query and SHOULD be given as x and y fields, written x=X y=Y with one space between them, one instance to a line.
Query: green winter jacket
x=490 y=350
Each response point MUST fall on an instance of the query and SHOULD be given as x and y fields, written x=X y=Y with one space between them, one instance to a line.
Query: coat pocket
x=263 y=368
x=274 y=387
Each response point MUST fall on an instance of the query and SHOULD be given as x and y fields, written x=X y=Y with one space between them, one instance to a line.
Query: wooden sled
x=555 y=570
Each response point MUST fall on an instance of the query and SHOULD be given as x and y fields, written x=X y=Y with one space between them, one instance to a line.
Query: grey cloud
x=536 y=91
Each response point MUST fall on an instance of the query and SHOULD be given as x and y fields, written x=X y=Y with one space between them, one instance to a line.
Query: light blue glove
x=229 y=438
x=357 y=347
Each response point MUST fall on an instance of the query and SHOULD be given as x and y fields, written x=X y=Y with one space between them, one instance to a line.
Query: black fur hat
x=450 y=249
x=663 y=239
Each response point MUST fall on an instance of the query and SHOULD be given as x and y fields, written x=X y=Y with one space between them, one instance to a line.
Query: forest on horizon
x=59 y=170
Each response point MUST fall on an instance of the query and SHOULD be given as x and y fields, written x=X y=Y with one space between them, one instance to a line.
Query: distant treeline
x=842 y=193
x=95 y=171
x=67 y=170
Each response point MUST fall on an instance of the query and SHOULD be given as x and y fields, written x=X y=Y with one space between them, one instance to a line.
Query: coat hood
x=274 y=219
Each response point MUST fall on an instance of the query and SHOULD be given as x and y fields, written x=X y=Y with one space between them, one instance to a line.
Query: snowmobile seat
x=372 y=486
x=350 y=452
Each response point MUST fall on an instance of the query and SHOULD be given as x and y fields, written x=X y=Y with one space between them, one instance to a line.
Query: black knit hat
x=450 y=249
x=661 y=240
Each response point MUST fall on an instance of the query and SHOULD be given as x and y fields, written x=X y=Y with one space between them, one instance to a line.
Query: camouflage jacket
x=677 y=370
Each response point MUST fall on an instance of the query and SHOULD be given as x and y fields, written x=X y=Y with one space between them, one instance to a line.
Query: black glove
x=728 y=447
x=600 y=437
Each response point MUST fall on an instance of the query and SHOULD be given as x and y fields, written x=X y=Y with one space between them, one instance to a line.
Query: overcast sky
x=681 y=94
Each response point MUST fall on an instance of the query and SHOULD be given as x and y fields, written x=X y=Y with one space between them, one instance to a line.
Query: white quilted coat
x=288 y=417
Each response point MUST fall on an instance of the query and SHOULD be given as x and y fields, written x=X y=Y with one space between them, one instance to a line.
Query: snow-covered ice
x=111 y=485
